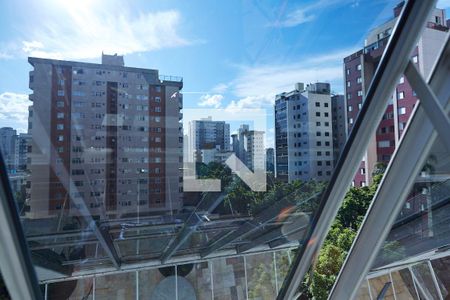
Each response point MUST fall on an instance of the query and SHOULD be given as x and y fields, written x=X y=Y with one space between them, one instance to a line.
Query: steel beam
x=395 y=186
x=15 y=261
x=430 y=104
x=106 y=241
x=208 y=204
x=393 y=63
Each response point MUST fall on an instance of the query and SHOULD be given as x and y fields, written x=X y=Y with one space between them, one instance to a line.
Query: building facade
x=206 y=134
x=339 y=123
x=8 y=146
x=104 y=137
x=303 y=133
x=248 y=145
x=359 y=69
x=270 y=160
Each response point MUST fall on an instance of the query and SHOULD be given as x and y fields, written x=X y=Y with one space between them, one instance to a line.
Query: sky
x=231 y=54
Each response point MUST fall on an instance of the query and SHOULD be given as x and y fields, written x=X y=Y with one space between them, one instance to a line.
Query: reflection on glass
x=260 y=274
x=195 y=277
x=282 y=263
x=229 y=278
x=441 y=267
x=71 y=290
x=149 y=280
x=403 y=285
x=363 y=292
x=117 y=286
x=382 y=285
x=424 y=281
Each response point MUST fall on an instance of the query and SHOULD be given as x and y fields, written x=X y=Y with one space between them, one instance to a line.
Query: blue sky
x=231 y=54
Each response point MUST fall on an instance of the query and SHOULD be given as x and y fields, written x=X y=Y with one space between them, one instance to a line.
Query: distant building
x=206 y=134
x=303 y=133
x=248 y=145
x=8 y=146
x=270 y=160
x=339 y=122
x=106 y=135
x=22 y=145
x=359 y=69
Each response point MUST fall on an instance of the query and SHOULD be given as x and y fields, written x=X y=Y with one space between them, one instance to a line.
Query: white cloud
x=83 y=31
x=14 y=110
x=306 y=13
x=220 y=88
x=211 y=100
x=256 y=87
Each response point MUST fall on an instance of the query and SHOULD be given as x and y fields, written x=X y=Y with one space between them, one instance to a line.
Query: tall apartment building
x=303 y=133
x=270 y=160
x=8 y=146
x=207 y=134
x=339 y=122
x=23 y=141
x=104 y=135
x=359 y=69
x=248 y=145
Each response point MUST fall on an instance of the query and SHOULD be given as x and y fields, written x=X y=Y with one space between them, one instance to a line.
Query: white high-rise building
x=303 y=133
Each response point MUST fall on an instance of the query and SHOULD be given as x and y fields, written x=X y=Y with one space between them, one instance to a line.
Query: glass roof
x=213 y=181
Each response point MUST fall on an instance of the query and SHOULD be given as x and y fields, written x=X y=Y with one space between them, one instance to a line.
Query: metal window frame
x=15 y=259
x=396 y=184
x=394 y=61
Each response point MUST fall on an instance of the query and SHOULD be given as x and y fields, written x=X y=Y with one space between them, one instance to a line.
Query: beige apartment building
x=106 y=139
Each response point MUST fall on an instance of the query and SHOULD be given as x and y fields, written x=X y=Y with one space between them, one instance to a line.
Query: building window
x=319 y=153
x=157 y=109
x=348 y=83
x=318 y=114
x=402 y=110
x=348 y=71
x=318 y=143
x=60 y=138
x=318 y=133
x=317 y=104
x=384 y=144
x=327 y=124
x=402 y=80
x=362 y=171
x=317 y=123
x=401 y=95
x=60 y=115
x=358 y=67
x=359 y=80
x=349 y=96
x=415 y=59
x=60 y=93
x=359 y=105
x=350 y=108
x=60 y=126
x=401 y=125
x=360 y=93
x=158 y=89
x=326 y=104
x=350 y=121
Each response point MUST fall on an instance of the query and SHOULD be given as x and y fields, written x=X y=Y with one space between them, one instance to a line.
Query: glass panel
x=71 y=290
x=194 y=277
x=229 y=278
x=157 y=283
x=260 y=276
x=441 y=267
x=282 y=263
x=403 y=285
x=381 y=285
x=363 y=292
x=424 y=281
x=117 y=286
x=110 y=161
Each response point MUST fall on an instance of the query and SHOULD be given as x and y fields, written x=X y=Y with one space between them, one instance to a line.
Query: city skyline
x=257 y=45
